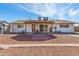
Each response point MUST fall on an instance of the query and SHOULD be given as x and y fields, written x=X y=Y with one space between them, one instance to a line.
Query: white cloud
x=40 y=9
x=73 y=13
x=50 y=10
x=60 y=16
x=64 y=10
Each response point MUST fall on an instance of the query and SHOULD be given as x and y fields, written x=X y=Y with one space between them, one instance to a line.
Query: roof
x=4 y=23
x=19 y=21
x=63 y=21
x=31 y=21
x=41 y=21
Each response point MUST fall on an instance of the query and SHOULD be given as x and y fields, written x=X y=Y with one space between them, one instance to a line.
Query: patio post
x=51 y=27
x=11 y=28
x=24 y=27
x=33 y=27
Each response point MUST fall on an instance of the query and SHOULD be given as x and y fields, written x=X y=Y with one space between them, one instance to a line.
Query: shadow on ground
x=33 y=37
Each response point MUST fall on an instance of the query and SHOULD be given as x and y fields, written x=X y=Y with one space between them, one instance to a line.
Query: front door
x=43 y=28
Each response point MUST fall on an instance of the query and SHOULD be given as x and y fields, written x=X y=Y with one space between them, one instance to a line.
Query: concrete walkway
x=6 y=46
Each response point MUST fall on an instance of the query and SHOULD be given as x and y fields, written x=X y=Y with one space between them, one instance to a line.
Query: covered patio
x=40 y=26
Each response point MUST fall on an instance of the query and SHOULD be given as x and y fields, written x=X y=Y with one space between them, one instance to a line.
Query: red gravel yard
x=22 y=38
x=41 y=51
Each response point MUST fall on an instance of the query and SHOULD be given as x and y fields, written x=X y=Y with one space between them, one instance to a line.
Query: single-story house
x=42 y=25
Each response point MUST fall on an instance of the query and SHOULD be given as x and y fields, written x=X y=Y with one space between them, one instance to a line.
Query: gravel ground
x=41 y=51
x=58 y=38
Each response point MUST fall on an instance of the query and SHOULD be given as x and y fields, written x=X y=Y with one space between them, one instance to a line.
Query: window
x=64 y=26
x=20 y=26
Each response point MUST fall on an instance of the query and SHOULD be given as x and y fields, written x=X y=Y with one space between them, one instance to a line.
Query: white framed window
x=20 y=25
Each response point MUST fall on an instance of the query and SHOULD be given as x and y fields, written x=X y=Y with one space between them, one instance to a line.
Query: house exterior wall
x=6 y=27
x=13 y=28
x=25 y=28
x=28 y=28
x=69 y=29
x=37 y=27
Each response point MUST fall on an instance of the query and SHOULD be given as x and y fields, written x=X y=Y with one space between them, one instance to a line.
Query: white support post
x=25 y=27
x=11 y=28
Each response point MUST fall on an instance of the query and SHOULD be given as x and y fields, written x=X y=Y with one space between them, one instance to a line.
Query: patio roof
x=43 y=21
x=63 y=22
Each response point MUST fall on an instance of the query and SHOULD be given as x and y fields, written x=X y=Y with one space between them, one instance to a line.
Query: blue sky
x=62 y=11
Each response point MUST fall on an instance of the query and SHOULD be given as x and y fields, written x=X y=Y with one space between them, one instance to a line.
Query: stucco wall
x=13 y=28
x=37 y=27
x=29 y=28
x=25 y=28
x=70 y=29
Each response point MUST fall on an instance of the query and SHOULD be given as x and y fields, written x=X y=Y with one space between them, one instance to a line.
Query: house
x=3 y=26
x=42 y=25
